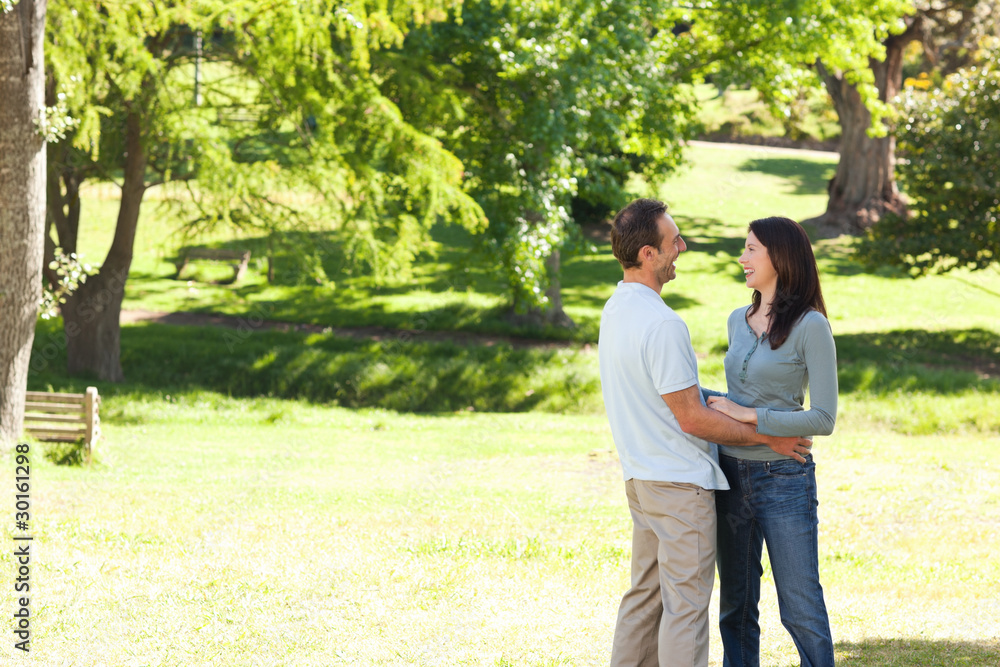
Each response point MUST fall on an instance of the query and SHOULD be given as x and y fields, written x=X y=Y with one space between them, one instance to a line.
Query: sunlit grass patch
x=224 y=531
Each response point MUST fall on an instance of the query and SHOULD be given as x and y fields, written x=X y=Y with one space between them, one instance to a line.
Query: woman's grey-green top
x=774 y=381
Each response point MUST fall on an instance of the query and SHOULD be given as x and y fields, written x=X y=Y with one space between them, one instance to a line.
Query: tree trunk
x=63 y=213
x=91 y=315
x=90 y=322
x=554 y=314
x=64 y=208
x=864 y=187
x=22 y=202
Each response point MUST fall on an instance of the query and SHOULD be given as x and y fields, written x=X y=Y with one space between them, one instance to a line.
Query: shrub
x=950 y=139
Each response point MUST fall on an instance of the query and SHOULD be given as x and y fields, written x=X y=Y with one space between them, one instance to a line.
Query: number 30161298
x=22 y=483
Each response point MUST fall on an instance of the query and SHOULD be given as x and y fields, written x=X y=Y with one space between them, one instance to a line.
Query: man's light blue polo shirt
x=645 y=351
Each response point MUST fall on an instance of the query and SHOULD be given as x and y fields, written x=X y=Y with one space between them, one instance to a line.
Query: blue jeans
x=773 y=502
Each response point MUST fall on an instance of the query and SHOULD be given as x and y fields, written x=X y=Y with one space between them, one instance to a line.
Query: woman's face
x=757 y=268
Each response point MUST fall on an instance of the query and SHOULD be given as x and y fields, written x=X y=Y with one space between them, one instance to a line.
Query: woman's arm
x=696 y=419
x=720 y=403
x=820 y=354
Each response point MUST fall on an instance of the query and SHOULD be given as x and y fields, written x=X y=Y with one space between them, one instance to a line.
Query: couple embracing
x=710 y=476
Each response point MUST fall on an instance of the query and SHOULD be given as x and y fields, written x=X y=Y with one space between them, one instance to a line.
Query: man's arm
x=707 y=424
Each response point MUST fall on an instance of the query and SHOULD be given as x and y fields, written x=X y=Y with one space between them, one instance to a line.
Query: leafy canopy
x=548 y=104
x=775 y=45
x=292 y=132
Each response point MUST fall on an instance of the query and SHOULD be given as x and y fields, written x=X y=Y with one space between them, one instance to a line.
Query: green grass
x=394 y=373
x=219 y=531
x=240 y=514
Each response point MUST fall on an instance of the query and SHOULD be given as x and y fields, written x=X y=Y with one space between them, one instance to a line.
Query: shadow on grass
x=912 y=359
x=407 y=373
x=311 y=258
x=317 y=284
x=918 y=653
x=968 y=283
x=455 y=288
x=586 y=272
x=722 y=244
x=398 y=373
x=805 y=177
x=672 y=295
x=838 y=258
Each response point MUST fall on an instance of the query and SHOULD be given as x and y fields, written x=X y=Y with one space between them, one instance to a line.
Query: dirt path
x=253 y=323
x=760 y=148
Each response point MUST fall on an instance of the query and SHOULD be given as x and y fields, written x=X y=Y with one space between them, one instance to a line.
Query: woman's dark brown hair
x=798 y=290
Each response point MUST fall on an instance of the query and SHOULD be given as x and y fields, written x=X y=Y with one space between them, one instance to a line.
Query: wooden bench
x=64 y=417
x=239 y=259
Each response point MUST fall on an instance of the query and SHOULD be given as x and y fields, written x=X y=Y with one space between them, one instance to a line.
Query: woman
x=778 y=345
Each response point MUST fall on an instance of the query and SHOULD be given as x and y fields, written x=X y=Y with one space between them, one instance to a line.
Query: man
x=664 y=433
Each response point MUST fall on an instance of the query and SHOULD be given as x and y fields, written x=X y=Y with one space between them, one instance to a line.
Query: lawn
x=254 y=503
x=217 y=531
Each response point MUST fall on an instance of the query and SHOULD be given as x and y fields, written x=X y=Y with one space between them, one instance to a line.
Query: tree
x=113 y=66
x=311 y=124
x=857 y=51
x=781 y=48
x=22 y=193
x=863 y=190
x=545 y=103
x=551 y=102
x=950 y=139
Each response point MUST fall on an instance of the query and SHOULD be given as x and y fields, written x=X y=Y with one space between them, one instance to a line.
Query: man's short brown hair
x=636 y=226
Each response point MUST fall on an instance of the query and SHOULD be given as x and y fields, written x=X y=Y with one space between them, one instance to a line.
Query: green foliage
x=318 y=115
x=545 y=103
x=952 y=29
x=736 y=113
x=551 y=106
x=55 y=123
x=775 y=45
x=101 y=58
x=327 y=148
x=289 y=131
x=70 y=272
x=950 y=139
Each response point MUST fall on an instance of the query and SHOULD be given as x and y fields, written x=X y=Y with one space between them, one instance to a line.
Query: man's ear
x=645 y=253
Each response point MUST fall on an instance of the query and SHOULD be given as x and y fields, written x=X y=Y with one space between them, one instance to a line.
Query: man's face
x=671 y=246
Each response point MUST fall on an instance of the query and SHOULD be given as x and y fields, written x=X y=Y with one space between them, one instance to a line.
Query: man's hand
x=797 y=448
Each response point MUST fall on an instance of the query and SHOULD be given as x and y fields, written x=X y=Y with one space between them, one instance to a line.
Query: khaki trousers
x=663 y=618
